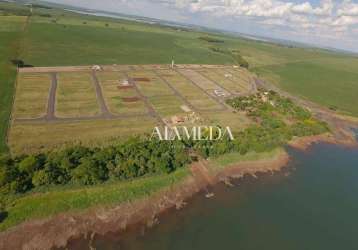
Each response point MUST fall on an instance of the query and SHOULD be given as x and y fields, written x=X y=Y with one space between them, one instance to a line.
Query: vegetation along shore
x=75 y=153
x=72 y=180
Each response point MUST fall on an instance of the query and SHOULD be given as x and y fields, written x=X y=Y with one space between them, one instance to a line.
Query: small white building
x=185 y=108
x=124 y=82
x=219 y=92
x=96 y=67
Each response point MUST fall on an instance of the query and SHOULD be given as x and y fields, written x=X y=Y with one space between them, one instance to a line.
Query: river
x=312 y=204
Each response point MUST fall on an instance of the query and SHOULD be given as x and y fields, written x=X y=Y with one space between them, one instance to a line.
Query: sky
x=326 y=23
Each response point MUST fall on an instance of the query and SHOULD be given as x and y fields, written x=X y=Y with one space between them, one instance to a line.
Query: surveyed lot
x=55 y=106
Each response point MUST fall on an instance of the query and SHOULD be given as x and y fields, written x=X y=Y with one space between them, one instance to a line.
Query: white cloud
x=327 y=16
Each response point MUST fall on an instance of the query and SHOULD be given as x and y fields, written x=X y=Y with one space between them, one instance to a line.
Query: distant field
x=333 y=83
x=135 y=99
x=70 y=42
x=124 y=42
x=10 y=39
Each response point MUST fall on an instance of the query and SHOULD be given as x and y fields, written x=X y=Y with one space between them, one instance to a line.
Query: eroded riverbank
x=56 y=231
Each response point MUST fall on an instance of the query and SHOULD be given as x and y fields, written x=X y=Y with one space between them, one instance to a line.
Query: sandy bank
x=56 y=231
x=346 y=138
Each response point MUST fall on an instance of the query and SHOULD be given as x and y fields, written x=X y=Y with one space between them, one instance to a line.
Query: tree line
x=88 y=166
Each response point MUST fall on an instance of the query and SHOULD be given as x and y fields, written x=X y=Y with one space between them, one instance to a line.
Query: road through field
x=176 y=92
x=215 y=82
x=218 y=100
x=52 y=98
x=105 y=112
x=149 y=106
x=100 y=99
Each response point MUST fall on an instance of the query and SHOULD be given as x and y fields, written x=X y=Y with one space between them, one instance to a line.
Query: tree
x=89 y=173
x=29 y=164
x=41 y=178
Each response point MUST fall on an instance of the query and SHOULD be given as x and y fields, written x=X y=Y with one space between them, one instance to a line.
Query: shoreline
x=56 y=231
x=304 y=143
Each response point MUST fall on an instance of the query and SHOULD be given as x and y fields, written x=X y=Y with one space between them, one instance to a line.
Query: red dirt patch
x=130 y=99
x=141 y=79
x=125 y=87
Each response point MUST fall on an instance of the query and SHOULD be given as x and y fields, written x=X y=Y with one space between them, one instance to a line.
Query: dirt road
x=100 y=99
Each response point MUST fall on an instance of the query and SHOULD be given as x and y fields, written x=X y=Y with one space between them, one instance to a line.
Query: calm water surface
x=313 y=204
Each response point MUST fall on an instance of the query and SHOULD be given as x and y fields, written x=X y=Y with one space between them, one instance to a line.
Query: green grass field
x=333 y=83
x=76 y=95
x=32 y=138
x=114 y=97
x=31 y=95
x=228 y=160
x=153 y=87
x=10 y=39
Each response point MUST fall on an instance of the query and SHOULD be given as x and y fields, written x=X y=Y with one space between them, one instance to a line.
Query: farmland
x=68 y=105
x=123 y=42
x=53 y=37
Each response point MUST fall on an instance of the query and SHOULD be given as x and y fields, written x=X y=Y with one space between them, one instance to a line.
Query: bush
x=29 y=164
x=41 y=178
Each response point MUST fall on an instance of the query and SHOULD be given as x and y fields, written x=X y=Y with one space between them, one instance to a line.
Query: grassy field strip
x=236 y=87
x=11 y=23
x=10 y=41
x=73 y=19
x=155 y=66
x=31 y=96
x=167 y=106
x=150 y=85
x=76 y=95
x=321 y=83
x=220 y=79
x=111 y=46
x=30 y=138
x=203 y=82
x=237 y=122
x=230 y=159
x=115 y=68
x=116 y=98
x=240 y=77
x=193 y=94
x=77 y=199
